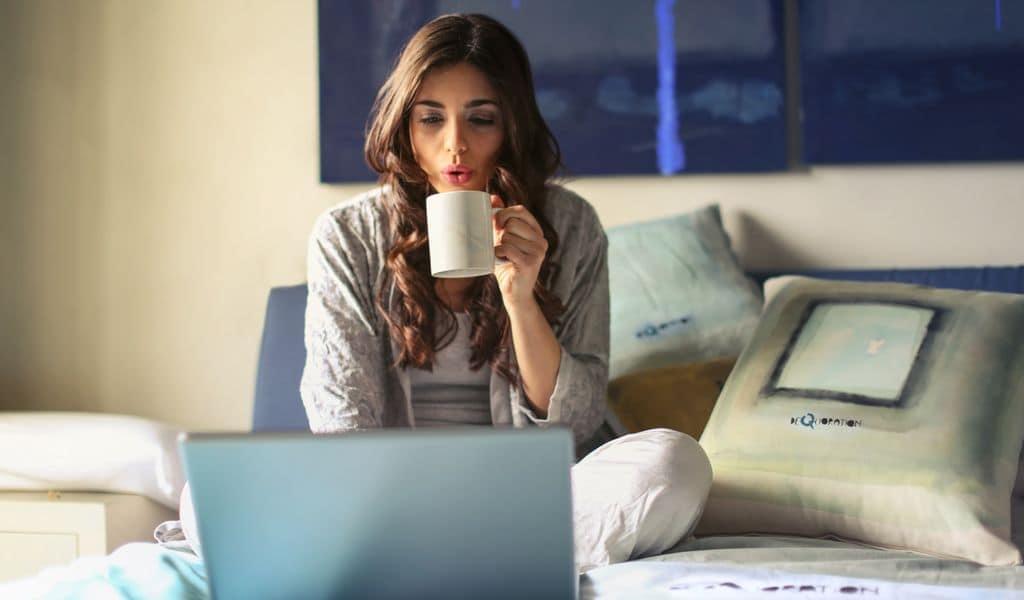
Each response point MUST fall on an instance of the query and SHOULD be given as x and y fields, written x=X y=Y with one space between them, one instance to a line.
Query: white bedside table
x=42 y=529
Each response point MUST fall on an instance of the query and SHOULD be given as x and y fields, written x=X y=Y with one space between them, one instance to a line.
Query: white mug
x=460 y=234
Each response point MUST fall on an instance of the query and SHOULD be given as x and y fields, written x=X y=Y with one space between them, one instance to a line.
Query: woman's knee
x=658 y=452
x=639 y=494
x=683 y=461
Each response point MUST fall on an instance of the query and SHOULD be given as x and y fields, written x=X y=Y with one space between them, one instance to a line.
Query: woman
x=388 y=345
x=458 y=112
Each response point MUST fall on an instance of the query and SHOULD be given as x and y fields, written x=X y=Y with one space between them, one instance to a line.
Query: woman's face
x=456 y=128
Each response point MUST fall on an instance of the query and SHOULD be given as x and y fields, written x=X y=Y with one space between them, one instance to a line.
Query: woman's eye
x=430 y=120
x=481 y=120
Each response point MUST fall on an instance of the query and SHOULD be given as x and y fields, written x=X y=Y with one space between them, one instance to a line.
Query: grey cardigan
x=350 y=380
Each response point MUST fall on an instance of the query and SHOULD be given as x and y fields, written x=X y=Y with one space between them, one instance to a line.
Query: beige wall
x=159 y=174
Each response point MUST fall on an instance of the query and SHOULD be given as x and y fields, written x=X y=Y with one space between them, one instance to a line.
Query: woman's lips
x=458 y=176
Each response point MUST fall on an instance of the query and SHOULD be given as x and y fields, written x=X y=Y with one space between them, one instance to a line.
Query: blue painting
x=656 y=87
x=912 y=81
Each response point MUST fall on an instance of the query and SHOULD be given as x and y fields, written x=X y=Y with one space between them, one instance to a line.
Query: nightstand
x=42 y=529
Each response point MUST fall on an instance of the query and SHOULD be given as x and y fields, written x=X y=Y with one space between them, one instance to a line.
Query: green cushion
x=889 y=414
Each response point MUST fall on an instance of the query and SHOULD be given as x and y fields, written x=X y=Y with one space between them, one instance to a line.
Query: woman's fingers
x=519 y=235
x=512 y=254
x=521 y=229
x=519 y=213
x=526 y=246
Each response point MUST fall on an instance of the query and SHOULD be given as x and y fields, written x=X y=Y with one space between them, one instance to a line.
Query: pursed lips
x=457 y=174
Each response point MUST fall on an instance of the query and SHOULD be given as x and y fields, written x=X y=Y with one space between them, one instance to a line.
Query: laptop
x=396 y=513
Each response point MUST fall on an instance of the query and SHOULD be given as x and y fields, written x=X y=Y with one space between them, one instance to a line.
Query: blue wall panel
x=662 y=86
x=912 y=80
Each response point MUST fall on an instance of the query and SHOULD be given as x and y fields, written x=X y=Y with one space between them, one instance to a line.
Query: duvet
x=717 y=567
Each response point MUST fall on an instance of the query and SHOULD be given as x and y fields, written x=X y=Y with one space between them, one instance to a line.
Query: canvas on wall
x=663 y=86
x=912 y=81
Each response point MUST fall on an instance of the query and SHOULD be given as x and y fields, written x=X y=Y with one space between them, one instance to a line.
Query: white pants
x=637 y=495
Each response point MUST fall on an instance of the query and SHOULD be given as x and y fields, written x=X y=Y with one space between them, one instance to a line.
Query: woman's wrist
x=525 y=308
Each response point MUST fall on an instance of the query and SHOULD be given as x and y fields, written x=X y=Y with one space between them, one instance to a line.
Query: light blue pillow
x=678 y=295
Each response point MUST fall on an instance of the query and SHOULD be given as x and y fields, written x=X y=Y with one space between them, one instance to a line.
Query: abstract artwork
x=912 y=81
x=664 y=86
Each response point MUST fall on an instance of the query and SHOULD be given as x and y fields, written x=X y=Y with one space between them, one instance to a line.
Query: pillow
x=884 y=413
x=772 y=285
x=90 y=452
x=677 y=293
x=679 y=397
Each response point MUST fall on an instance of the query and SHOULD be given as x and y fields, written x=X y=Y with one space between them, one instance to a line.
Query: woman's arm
x=540 y=355
x=343 y=381
x=579 y=395
x=520 y=241
x=579 y=387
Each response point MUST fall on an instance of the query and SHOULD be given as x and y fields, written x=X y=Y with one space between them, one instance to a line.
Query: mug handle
x=497 y=259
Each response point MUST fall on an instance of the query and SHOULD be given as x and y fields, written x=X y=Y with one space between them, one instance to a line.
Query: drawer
x=25 y=554
x=39 y=530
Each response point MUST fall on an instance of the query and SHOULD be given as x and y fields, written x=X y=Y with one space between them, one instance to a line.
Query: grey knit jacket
x=350 y=381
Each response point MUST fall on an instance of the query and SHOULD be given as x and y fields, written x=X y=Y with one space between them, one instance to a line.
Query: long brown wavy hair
x=528 y=159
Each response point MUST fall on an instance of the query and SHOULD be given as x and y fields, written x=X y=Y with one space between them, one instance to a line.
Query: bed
x=715 y=566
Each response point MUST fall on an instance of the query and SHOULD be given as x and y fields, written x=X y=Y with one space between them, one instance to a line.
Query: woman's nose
x=454 y=142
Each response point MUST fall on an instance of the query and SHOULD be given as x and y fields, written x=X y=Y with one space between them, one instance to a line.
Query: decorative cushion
x=884 y=413
x=993 y=279
x=678 y=294
x=679 y=397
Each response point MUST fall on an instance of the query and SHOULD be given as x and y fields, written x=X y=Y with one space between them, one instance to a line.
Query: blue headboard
x=989 y=279
x=278 y=406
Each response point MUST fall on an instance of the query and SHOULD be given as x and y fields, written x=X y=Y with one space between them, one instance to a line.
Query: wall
x=159 y=169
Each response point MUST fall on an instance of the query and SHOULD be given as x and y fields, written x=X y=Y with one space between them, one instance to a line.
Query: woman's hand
x=519 y=240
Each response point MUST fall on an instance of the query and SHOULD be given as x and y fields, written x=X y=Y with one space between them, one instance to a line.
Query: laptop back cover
x=441 y=513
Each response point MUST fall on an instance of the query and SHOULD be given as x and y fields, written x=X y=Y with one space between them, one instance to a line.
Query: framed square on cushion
x=884 y=413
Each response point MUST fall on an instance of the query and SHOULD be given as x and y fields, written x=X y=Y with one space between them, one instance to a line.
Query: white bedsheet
x=656 y=580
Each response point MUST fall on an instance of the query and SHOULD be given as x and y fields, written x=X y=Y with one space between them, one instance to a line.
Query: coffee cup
x=460 y=234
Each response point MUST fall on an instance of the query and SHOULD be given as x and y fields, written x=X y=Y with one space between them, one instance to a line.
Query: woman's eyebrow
x=471 y=104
